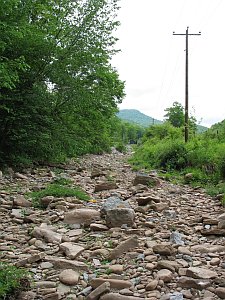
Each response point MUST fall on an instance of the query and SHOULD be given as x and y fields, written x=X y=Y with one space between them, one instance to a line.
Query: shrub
x=12 y=280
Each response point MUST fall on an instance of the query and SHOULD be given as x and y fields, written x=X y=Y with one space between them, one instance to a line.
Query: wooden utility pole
x=186 y=127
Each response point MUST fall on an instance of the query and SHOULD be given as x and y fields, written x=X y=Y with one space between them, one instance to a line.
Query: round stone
x=69 y=277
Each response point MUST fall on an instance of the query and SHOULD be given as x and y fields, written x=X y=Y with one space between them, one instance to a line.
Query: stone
x=151 y=285
x=61 y=263
x=46 y=233
x=208 y=248
x=112 y=203
x=165 y=275
x=71 y=250
x=118 y=216
x=201 y=273
x=176 y=238
x=116 y=296
x=29 y=295
x=83 y=216
x=98 y=227
x=105 y=186
x=45 y=201
x=188 y=283
x=100 y=290
x=220 y=292
x=213 y=231
x=124 y=247
x=167 y=264
x=221 y=224
x=145 y=179
x=117 y=269
x=21 y=201
x=164 y=249
x=117 y=284
x=69 y=277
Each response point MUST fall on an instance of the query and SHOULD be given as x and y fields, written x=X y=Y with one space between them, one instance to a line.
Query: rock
x=208 y=248
x=164 y=249
x=98 y=227
x=69 y=277
x=83 y=216
x=100 y=290
x=105 y=186
x=213 y=231
x=45 y=201
x=46 y=233
x=176 y=296
x=124 y=247
x=117 y=284
x=116 y=296
x=146 y=180
x=221 y=224
x=112 y=203
x=188 y=283
x=165 y=275
x=151 y=285
x=20 y=176
x=201 y=273
x=60 y=263
x=221 y=217
x=176 y=238
x=167 y=264
x=26 y=296
x=117 y=269
x=118 y=216
x=220 y=292
x=71 y=250
x=21 y=201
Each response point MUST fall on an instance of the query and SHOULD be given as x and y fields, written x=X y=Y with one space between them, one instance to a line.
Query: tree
x=175 y=115
x=57 y=88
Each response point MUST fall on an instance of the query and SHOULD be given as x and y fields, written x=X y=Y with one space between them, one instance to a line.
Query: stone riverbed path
x=138 y=237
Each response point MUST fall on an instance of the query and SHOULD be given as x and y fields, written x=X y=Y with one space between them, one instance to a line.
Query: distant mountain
x=135 y=116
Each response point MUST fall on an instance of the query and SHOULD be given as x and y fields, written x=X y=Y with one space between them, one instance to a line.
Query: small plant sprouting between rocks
x=58 y=189
x=12 y=280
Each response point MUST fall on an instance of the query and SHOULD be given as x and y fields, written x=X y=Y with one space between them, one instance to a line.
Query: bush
x=12 y=280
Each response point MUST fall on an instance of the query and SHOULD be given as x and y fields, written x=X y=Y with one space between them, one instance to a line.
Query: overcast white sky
x=152 y=60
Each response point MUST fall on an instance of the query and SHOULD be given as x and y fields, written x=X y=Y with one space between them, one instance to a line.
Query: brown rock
x=60 y=263
x=164 y=249
x=81 y=216
x=46 y=233
x=21 y=201
x=116 y=296
x=69 y=277
x=220 y=292
x=105 y=186
x=124 y=247
x=151 y=285
x=146 y=180
x=71 y=250
x=117 y=284
x=188 y=283
x=201 y=273
x=100 y=290
x=165 y=275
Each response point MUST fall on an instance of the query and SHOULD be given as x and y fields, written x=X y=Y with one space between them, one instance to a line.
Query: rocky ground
x=138 y=237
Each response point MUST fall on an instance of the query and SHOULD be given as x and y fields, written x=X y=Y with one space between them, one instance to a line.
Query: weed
x=12 y=280
x=57 y=190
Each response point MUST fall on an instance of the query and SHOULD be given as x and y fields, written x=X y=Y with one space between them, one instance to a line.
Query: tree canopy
x=58 y=90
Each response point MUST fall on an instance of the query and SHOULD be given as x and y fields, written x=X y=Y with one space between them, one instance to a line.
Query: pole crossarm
x=186 y=119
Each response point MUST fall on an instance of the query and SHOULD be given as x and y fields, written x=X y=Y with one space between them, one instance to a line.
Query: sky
x=152 y=59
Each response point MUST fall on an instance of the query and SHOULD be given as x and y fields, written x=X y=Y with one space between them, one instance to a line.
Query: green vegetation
x=58 y=188
x=12 y=280
x=163 y=148
x=58 y=90
x=136 y=117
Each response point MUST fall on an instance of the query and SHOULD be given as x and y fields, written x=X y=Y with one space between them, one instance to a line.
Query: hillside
x=135 y=116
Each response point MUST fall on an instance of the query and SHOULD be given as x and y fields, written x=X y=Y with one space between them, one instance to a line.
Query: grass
x=12 y=280
x=59 y=188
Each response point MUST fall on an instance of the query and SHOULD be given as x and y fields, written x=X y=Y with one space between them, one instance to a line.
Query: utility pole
x=186 y=127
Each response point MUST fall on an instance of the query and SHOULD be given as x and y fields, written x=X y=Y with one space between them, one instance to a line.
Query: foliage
x=58 y=188
x=175 y=116
x=58 y=90
x=11 y=280
x=203 y=156
x=136 y=117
